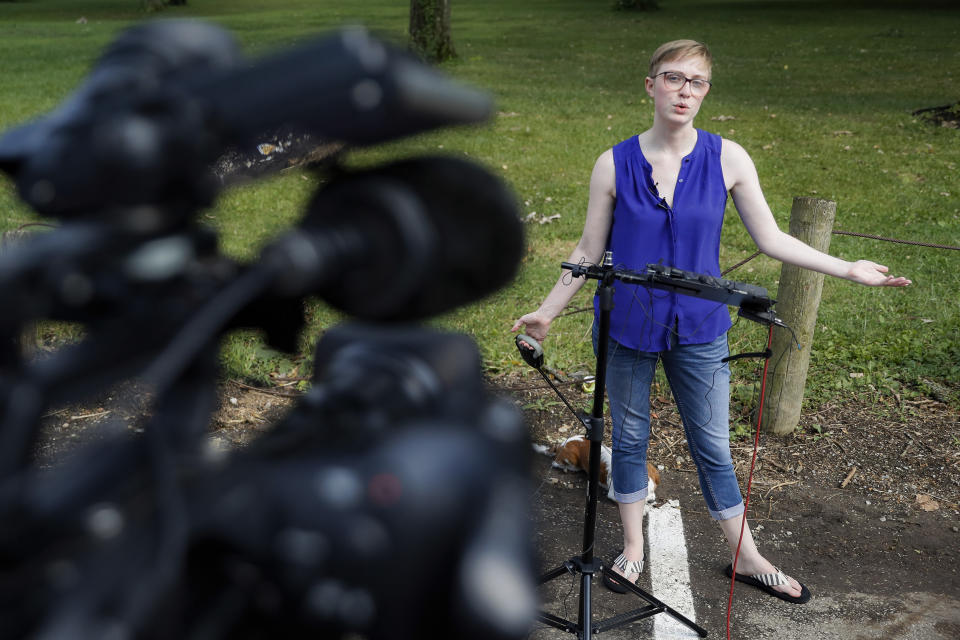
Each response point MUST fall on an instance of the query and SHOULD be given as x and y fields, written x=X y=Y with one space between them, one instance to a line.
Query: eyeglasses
x=675 y=81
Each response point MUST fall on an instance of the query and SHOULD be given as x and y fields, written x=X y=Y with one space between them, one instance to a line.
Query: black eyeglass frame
x=685 y=81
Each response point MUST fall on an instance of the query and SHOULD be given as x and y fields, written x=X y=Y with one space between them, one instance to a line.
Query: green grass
x=821 y=95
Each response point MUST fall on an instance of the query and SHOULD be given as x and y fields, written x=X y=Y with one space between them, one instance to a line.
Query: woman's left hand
x=875 y=275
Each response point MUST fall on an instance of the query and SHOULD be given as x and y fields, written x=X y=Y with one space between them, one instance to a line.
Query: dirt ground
x=947 y=115
x=901 y=454
x=243 y=412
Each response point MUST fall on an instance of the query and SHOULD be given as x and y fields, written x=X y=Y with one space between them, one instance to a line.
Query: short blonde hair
x=678 y=50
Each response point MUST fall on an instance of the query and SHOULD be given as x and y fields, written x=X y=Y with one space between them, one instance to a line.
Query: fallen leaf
x=927 y=503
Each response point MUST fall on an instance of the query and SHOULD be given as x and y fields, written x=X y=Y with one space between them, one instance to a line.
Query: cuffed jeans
x=700 y=383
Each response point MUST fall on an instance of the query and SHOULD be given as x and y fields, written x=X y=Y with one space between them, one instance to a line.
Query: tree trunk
x=430 y=29
x=157 y=5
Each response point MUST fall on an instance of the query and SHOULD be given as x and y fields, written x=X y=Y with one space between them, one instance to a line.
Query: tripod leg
x=563 y=569
x=658 y=607
x=586 y=613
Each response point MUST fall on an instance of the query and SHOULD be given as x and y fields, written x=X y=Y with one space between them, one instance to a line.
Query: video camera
x=391 y=500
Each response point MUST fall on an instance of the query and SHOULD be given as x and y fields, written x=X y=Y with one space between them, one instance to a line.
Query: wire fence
x=857 y=235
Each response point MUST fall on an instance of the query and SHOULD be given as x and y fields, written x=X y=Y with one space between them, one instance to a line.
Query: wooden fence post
x=798 y=299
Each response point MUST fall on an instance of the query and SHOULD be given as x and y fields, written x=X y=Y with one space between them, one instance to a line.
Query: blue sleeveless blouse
x=685 y=236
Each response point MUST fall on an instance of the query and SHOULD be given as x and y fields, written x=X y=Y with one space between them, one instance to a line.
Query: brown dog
x=573 y=454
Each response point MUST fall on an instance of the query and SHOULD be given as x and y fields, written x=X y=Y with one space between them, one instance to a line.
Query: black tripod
x=585 y=564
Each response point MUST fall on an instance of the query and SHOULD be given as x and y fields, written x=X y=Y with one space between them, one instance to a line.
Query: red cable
x=746 y=501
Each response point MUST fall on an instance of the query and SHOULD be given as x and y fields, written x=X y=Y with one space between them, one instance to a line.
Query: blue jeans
x=701 y=388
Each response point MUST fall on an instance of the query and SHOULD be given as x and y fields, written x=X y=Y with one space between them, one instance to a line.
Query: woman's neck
x=669 y=141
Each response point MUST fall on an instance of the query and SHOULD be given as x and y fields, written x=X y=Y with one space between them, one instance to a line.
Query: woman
x=660 y=196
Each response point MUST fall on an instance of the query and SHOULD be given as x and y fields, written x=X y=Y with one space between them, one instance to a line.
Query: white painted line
x=669 y=571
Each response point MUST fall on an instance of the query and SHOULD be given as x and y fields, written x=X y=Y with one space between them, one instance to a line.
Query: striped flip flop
x=627 y=567
x=767 y=581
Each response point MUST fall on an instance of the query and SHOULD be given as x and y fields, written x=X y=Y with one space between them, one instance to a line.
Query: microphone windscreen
x=477 y=246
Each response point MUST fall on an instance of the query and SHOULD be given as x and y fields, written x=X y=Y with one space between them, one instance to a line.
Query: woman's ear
x=648 y=85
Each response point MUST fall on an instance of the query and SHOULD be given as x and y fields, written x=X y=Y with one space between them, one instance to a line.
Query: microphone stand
x=585 y=564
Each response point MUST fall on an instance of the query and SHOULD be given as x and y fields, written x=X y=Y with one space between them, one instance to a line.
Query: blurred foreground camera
x=391 y=500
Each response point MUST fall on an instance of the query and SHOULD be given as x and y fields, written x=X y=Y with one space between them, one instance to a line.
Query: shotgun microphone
x=169 y=97
x=348 y=86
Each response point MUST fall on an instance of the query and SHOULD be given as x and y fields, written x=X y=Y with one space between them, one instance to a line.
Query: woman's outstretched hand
x=874 y=275
x=536 y=325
